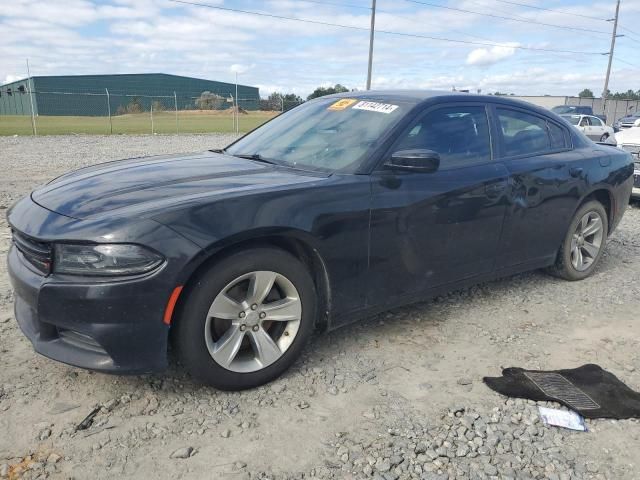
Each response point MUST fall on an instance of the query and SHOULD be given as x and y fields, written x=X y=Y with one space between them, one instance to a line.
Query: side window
x=460 y=135
x=595 y=121
x=558 y=137
x=523 y=134
x=584 y=122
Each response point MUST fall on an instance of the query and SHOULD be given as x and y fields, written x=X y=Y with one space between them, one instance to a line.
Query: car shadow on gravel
x=357 y=338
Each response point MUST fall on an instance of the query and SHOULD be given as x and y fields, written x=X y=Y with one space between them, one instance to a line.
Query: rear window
x=527 y=134
x=558 y=137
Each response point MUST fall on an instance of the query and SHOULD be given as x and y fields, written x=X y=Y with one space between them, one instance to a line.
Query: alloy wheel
x=586 y=241
x=253 y=321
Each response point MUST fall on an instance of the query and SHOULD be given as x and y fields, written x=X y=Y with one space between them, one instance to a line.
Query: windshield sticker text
x=375 y=107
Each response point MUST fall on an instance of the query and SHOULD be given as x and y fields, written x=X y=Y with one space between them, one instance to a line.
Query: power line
x=423 y=22
x=386 y=32
x=565 y=27
x=551 y=10
x=628 y=30
x=335 y=4
x=502 y=12
x=624 y=61
x=630 y=33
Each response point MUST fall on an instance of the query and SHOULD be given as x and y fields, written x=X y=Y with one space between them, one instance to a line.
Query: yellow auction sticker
x=342 y=104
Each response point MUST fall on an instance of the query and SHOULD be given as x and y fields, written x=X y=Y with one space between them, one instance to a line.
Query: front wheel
x=246 y=320
x=583 y=244
x=604 y=137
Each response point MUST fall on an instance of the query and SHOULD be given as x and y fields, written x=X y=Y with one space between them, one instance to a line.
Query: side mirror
x=418 y=160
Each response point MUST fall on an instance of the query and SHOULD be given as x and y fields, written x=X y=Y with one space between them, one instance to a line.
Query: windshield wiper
x=255 y=156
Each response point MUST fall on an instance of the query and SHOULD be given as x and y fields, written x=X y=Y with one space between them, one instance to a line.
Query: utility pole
x=371 y=33
x=237 y=107
x=613 y=44
x=33 y=110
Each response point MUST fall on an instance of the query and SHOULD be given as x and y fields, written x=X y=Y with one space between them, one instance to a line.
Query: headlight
x=116 y=259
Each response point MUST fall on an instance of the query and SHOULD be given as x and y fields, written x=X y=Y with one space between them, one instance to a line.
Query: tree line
x=628 y=95
x=286 y=101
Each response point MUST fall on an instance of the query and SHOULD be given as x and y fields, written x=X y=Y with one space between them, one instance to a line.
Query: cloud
x=136 y=36
x=240 y=68
x=489 y=56
x=13 y=78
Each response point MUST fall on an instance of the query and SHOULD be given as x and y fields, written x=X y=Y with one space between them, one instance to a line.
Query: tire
x=604 y=137
x=232 y=353
x=571 y=266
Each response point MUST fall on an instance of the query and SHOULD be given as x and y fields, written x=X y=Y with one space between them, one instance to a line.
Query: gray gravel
x=397 y=396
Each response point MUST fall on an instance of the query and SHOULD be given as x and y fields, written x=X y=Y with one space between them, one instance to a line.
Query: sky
x=137 y=36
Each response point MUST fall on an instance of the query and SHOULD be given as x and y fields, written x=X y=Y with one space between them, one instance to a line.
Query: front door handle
x=575 y=172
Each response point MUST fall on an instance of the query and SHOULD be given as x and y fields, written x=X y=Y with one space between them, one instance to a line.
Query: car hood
x=628 y=136
x=147 y=185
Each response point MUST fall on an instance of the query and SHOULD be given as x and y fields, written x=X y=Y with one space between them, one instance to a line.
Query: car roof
x=423 y=96
x=408 y=95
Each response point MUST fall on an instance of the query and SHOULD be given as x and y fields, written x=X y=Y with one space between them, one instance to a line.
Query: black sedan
x=342 y=207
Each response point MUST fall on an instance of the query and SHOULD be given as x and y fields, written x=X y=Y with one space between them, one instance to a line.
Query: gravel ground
x=397 y=396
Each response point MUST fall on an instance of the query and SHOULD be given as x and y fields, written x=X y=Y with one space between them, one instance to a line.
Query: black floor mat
x=589 y=390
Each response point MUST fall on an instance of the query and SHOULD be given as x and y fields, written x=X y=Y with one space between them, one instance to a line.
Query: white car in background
x=629 y=140
x=592 y=127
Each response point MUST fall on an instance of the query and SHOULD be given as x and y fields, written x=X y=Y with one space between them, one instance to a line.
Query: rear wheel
x=247 y=319
x=584 y=243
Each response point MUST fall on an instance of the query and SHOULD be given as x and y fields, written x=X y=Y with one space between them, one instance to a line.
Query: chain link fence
x=47 y=113
x=611 y=108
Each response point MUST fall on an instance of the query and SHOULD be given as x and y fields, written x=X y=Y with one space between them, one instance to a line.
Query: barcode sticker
x=375 y=107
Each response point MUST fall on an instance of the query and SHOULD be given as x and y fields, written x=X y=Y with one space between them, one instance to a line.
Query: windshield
x=573 y=119
x=327 y=134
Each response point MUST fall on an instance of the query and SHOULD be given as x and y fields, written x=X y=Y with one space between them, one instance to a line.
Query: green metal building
x=101 y=95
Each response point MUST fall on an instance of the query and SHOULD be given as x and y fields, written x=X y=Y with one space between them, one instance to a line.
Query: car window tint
x=557 y=135
x=523 y=134
x=596 y=122
x=460 y=135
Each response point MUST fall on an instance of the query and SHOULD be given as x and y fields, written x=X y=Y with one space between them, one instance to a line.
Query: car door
x=546 y=176
x=597 y=128
x=431 y=229
x=585 y=126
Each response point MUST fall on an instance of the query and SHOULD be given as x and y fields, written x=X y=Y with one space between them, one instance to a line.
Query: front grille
x=80 y=340
x=36 y=253
x=631 y=148
x=634 y=150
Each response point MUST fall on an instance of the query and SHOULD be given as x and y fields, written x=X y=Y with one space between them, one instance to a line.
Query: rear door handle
x=575 y=172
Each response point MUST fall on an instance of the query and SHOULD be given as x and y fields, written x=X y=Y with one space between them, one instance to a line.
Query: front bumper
x=108 y=325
